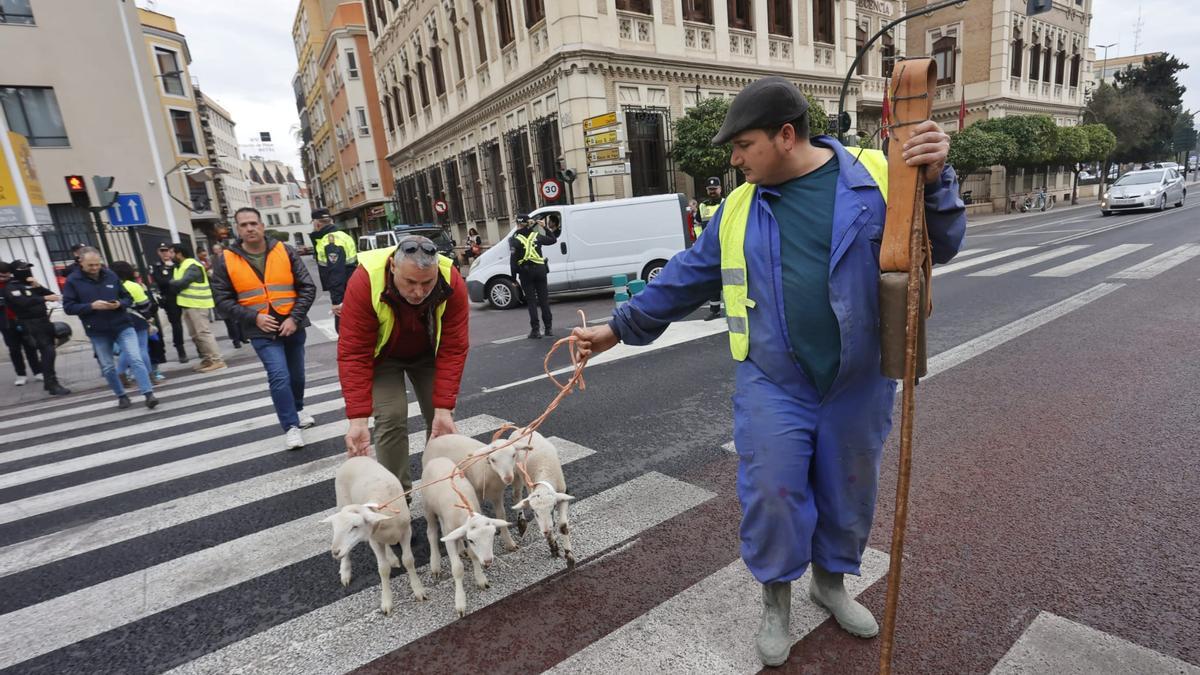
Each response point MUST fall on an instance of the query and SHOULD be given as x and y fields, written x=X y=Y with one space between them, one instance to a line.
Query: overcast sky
x=243 y=55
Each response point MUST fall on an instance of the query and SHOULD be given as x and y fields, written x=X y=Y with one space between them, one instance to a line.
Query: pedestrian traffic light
x=78 y=191
x=105 y=195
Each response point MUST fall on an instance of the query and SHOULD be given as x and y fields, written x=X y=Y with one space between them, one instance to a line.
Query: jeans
x=125 y=360
x=127 y=340
x=283 y=358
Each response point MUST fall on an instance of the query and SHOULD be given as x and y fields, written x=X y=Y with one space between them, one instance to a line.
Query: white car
x=635 y=237
x=1149 y=189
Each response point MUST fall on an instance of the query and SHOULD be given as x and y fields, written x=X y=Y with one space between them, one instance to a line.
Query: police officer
x=162 y=272
x=337 y=258
x=528 y=265
x=27 y=300
x=706 y=210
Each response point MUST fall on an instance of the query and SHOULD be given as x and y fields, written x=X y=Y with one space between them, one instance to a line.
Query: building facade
x=1003 y=62
x=485 y=100
x=87 y=105
x=1107 y=68
x=232 y=191
x=280 y=198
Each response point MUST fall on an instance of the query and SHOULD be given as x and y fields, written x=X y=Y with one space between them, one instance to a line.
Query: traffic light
x=1033 y=7
x=105 y=195
x=843 y=122
x=78 y=191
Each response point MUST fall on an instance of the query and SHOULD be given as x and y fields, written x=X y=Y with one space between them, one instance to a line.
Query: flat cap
x=768 y=102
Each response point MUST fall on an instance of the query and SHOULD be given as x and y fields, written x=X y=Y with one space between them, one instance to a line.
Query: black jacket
x=26 y=302
x=225 y=296
x=160 y=274
x=517 y=249
x=81 y=291
x=335 y=273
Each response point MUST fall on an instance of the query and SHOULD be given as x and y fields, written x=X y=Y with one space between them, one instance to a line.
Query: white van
x=634 y=237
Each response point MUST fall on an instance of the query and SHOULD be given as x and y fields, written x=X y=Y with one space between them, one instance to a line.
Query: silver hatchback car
x=1149 y=189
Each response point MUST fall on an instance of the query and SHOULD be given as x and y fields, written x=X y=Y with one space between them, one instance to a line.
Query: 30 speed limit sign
x=551 y=189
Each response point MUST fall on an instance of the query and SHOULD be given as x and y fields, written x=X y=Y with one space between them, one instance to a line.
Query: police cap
x=320 y=214
x=769 y=102
x=712 y=182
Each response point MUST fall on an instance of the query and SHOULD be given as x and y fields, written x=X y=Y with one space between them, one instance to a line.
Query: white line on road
x=346 y=634
x=1159 y=263
x=326 y=327
x=939 y=270
x=1088 y=262
x=1108 y=228
x=1027 y=262
x=1052 y=644
x=681 y=636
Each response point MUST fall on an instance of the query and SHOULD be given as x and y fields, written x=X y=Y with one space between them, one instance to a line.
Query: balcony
x=823 y=55
x=636 y=28
x=780 y=48
x=698 y=36
x=540 y=38
x=945 y=92
x=742 y=43
x=509 y=56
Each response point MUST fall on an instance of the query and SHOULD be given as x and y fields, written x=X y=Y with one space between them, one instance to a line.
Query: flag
x=887 y=111
x=962 y=111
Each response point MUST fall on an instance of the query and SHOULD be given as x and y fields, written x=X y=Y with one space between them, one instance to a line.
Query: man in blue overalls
x=795 y=253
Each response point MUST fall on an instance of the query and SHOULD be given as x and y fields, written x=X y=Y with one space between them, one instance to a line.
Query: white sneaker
x=20 y=381
x=306 y=420
x=293 y=439
x=39 y=377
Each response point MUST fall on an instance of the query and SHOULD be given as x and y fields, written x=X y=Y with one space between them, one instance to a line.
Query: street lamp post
x=1104 y=63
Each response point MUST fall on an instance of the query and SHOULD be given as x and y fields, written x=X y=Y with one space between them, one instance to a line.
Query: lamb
x=361 y=485
x=540 y=459
x=444 y=506
x=489 y=477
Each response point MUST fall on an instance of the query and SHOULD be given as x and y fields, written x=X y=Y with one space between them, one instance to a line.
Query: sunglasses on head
x=412 y=246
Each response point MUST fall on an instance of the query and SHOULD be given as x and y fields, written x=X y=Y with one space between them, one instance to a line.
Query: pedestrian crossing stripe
x=1159 y=263
x=1147 y=269
x=1093 y=260
x=979 y=260
x=1028 y=262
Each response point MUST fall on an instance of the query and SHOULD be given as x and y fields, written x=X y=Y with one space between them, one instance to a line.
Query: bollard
x=636 y=286
x=620 y=298
x=619 y=281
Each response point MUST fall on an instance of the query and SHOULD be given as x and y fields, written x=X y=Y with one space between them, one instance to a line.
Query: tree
x=1034 y=141
x=1073 y=150
x=818 y=120
x=1101 y=143
x=693 y=151
x=1130 y=116
x=1156 y=82
x=975 y=148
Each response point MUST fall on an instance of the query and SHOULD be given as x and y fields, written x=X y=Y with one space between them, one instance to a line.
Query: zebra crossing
x=1069 y=260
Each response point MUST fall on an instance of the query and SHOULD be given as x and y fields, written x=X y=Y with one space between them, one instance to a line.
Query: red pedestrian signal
x=76 y=184
x=78 y=190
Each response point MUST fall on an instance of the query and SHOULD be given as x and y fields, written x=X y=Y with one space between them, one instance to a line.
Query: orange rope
x=578 y=362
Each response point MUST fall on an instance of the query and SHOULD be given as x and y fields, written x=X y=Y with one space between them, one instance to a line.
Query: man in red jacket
x=404 y=313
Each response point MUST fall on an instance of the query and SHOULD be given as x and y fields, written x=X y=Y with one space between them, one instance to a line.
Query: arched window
x=1035 y=61
x=1018 y=51
x=1075 y=70
x=1060 y=68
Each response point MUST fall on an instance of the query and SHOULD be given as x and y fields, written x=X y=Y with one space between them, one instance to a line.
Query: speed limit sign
x=551 y=189
x=441 y=207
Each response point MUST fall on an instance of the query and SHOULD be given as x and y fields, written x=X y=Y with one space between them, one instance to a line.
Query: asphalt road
x=1052 y=513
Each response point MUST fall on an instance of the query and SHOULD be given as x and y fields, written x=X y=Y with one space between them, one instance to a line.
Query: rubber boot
x=773 y=641
x=182 y=355
x=828 y=591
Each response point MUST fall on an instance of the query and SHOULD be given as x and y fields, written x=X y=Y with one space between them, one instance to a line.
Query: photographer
x=27 y=301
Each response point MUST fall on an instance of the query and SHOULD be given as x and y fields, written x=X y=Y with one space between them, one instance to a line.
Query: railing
x=540 y=38
x=823 y=55
x=742 y=42
x=1014 y=84
x=780 y=48
x=509 y=56
x=637 y=28
x=945 y=92
x=698 y=36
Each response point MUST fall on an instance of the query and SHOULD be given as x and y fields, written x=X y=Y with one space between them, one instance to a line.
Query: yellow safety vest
x=705 y=213
x=197 y=295
x=337 y=238
x=531 y=254
x=375 y=262
x=135 y=291
x=734 y=218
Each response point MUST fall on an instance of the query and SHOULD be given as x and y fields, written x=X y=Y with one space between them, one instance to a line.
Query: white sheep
x=444 y=506
x=548 y=493
x=489 y=477
x=361 y=485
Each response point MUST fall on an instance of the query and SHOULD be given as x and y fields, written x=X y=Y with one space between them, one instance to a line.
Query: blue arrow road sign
x=127 y=211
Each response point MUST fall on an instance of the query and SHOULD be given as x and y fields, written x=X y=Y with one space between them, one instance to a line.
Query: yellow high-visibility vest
x=531 y=254
x=375 y=262
x=197 y=295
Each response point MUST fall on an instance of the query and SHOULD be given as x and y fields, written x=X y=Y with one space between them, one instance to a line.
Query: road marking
x=1020 y=230
x=681 y=636
x=1088 y=262
x=47 y=502
x=1109 y=228
x=730 y=447
x=939 y=270
x=157 y=425
x=970 y=252
x=676 y=334
x=1159 y=263
x=506 y=340
x=1052 y=644
x=144 y=414
x=115 y=529
x=346 y=634
x=516 y=338
x=1027 y=262
x=326 y=327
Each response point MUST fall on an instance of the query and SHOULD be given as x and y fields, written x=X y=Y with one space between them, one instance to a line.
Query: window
x=387 y=108
x=370 y=20
x=943 y=56
x=458 y=52
x=439 y=78
x=364 y=129
x=1046 y=56
x=169 y=71
x=860 y=38
x=423 y=83
x=823 y=21
x=640 y=6
x=1018 y=51
x=396 y=105
x=699 y=11
x=372 y=175
x=480 y=34
x=535 y=11
x=185 y=133
x=1035 y=61
x=1075 y=71
x=16 y=11
x=351 y=65
x=887 y=55
x=1060 y=68
x=472 y=186
x=647 y=144
x=740 y=15
x=779 y=17
x=408 y=96
x=523 y=198
x=549 y=147
x=297 y=238
x=272 y=218
x=33 y=112
x=293 y=218
x=258 y=202
x=504 y=22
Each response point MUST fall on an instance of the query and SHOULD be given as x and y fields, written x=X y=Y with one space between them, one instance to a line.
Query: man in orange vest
x=264 y=285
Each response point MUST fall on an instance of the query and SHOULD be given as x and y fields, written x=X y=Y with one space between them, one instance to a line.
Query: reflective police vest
x=706 y=211
x=375 y=263
x=198 y=295
x=531 y=253
x=340 y=239
x=275 y=290
x=733 y=254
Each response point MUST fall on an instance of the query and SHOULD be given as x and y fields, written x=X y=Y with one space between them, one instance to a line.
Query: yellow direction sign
x=605 y=155
x=10 y=203
x=602 y=138
x=600 y=121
